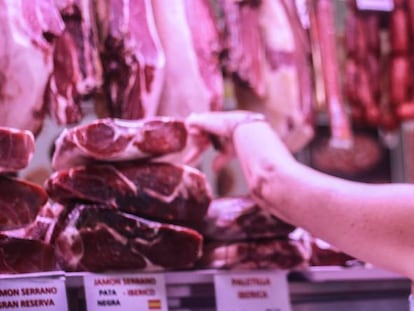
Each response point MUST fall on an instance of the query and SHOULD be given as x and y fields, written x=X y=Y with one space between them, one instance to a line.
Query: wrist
x=248 y=119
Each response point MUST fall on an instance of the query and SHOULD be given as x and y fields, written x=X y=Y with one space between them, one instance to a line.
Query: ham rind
x=240 y=219
x=192 y=77
x=19 y=255
x=77 y=72
x=26 y=60
x=118 y=140
x=97 y=238
x=132 y=57
x=162 y=191
x=20 y=201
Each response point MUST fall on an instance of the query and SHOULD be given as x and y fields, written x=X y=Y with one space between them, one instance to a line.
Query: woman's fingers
x=211 y=122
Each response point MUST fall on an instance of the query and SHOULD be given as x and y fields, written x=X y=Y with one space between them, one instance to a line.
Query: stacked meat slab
x=115 y=207
x=240 y=234
x=20 y=203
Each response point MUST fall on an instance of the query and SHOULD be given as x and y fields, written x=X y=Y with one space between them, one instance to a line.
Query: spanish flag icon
x=154 y=304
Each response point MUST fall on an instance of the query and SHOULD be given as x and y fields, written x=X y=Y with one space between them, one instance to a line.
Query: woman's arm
x=374 y=223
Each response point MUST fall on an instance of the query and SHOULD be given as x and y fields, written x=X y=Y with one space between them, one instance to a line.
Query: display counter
x=315 y=288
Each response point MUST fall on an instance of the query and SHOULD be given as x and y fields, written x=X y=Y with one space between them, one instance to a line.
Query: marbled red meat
x=16 y=149
x=163 y=191
x=25 y=256
x=260 y=254
x=20 y=201
x=240 y=218
x=98 y=238
x=77 y=71
x=118 y=140
x=132 y=57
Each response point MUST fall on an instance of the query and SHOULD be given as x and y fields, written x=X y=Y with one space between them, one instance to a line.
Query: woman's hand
x=217 y=129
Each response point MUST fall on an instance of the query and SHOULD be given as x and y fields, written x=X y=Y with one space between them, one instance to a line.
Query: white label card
x=252 y=291
x=376 y=5
x=126 y=292
x=33 y=293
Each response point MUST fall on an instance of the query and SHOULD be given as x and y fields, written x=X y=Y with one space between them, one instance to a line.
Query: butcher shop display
x=117 y=80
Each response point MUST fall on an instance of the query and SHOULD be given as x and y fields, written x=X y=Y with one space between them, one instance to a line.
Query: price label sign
x=376 y=5
x=33 y=293
x=126 y=292
x=252 y=291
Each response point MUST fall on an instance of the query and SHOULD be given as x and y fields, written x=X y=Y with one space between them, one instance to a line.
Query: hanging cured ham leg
x=343 y=153
x=192 y=49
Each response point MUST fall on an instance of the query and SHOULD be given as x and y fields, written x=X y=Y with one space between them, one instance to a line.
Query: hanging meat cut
x=26 y=59
x=25 y=256
x=162 y=191
x=271 y=68
x=20 y=201
x=98 y=238
x=240 y=218
x=118 y=140
x=77 y=71
x=132 y=57
x=191 y=48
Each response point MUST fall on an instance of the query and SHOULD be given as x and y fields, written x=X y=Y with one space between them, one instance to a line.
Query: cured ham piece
x=265 y=254
x=118 y=140
x=132 y=57
x=97 y=238
x=19 y=255
x=77 y=71
x=193 y=81
x=240 y=218
x=16 y=149
x=162 y=191
x=26 y=60
x=20 y=201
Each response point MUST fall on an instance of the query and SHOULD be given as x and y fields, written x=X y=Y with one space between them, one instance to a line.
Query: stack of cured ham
x=240 y=234
x=20 y=203
x=117 y=205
